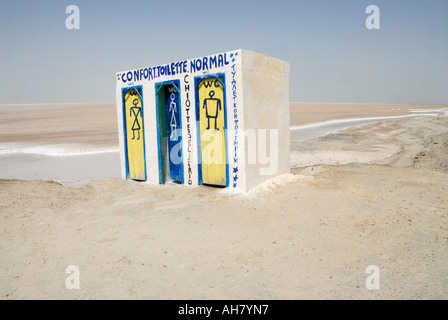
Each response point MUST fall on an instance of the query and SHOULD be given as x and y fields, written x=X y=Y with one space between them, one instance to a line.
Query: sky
x=333 y=56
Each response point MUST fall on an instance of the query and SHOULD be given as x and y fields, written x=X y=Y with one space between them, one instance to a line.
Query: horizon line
x=310 y=102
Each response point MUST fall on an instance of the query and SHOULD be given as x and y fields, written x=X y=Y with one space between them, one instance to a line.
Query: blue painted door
x=174 y=131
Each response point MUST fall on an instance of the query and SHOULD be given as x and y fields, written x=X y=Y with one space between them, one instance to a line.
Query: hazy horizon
x=333 y=56
x=305 y=102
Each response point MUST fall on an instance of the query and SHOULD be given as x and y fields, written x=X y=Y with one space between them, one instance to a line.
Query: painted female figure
x=135 y=110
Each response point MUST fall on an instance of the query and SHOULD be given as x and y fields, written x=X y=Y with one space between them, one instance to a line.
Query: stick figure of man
x=211 y=106
x=135 y=110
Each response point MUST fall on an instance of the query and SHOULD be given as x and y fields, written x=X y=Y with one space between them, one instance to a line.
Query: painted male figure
x=212 y=105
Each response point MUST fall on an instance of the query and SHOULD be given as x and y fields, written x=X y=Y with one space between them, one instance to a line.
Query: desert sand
x=372 y=195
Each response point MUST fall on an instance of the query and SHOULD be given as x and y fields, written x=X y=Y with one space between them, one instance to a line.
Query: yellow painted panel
x=134 y=135
x=213 y=144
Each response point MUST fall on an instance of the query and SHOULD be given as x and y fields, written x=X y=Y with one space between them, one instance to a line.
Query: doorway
x=211 y=114
x=169 y=131
x=134 y=133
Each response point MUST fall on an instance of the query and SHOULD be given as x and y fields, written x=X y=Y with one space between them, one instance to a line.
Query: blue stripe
x=159 y=139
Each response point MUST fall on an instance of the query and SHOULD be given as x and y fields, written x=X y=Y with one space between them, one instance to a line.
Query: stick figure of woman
x=135 y=110
x=211 y=106
x=173 y=122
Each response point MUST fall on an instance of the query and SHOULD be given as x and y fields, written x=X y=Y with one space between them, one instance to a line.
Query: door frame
x=126 y=154
x=197 y=81
x=157 y=87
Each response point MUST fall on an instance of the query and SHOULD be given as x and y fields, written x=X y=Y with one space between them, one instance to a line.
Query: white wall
x=266 y=106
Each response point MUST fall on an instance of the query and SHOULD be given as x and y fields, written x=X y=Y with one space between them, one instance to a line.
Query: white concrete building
x=219 y=120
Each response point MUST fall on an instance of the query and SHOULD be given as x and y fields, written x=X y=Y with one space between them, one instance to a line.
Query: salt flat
x=65 y=142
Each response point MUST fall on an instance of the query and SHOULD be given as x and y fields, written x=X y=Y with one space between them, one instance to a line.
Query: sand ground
x=374 y=195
